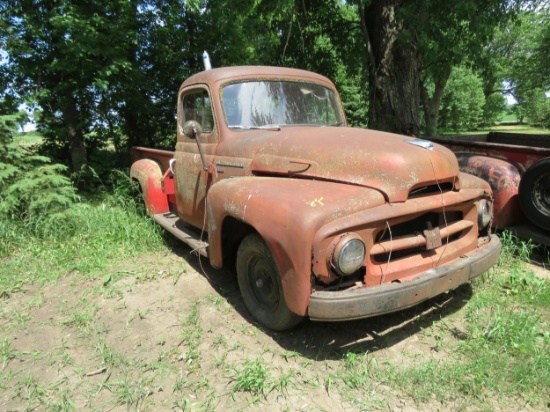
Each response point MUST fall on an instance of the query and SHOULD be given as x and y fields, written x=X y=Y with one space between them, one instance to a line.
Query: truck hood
x=390 y=163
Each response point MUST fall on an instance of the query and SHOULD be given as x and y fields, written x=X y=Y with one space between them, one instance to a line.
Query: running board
x=184 y=232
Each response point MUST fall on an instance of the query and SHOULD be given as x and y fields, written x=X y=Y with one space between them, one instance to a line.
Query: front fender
x=287 y=213
x=149 y=175
x=503 y=177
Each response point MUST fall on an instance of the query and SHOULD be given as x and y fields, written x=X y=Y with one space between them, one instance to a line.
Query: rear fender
x=149 y=175
x=504 y=178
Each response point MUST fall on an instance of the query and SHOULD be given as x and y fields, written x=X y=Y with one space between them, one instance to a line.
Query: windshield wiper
x=264 y=127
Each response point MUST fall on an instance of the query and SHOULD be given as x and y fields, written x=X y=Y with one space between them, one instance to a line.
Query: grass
x=6 y=352
x=493 y=351
x=520 y=128
x=82 y=240
x=192 y=336
x=504 y=353
x=253 y=377
x=497 y=347
x=517 y=128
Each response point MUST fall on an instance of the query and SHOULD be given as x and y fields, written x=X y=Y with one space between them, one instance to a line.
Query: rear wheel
x=534 y=194
x=260 y=285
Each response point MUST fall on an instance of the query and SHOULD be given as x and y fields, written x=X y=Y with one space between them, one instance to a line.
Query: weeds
x=32 y=392
x=133 y=394
x=192 y=335
x=514 y=247
x=253 y=377
x=355 y=370
x=61 y=402
x=506 y=349
x=6 y=352
x=106 y=354
x=285 y=381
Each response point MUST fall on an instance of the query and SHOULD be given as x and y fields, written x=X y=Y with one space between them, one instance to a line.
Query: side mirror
x=192 y=129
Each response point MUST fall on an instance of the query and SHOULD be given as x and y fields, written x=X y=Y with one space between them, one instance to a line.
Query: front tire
x=534 y=194
x=260 y=285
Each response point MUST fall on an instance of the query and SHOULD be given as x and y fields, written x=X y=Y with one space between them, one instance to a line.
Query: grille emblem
x=433 y=237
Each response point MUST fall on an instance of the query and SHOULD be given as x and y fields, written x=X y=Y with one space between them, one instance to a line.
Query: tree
x=463 y=100
x=61 y=53
x=109 y=70
x=406 y=39
x=31 y=188
x=536 y=108
x=529 y=76
x=319 y=36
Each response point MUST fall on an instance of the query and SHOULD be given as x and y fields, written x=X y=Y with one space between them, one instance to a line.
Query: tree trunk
x=431 y=105
x=75 y=136
x=132 y=101
x=394 y=69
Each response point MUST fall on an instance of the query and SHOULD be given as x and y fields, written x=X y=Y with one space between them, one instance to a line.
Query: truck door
x=191 y=180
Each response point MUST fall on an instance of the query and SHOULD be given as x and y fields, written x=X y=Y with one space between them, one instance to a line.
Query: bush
x=31 y=187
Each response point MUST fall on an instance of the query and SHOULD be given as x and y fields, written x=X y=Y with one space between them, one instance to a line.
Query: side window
x=196 y=106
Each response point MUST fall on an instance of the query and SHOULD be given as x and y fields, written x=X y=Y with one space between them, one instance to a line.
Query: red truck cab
x=322 y=220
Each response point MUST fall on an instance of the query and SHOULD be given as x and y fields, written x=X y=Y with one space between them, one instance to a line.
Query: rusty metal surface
x=162 y=157
x=296 y=217
x=215 y=77
x=303 y=187
x=523 y=156
x=504 y=178
x=147 y=172
x=371 y=222
x=536 y=141
x=348 y=155
x=286 y=213
x=378 y=300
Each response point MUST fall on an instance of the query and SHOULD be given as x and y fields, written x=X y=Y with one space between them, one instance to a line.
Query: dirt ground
x=161 y=333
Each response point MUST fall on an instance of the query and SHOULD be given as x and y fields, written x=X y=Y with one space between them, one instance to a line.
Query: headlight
x=484 y=213
x=348 y=254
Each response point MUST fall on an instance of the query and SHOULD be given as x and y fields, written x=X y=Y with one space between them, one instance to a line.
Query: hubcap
x=262 y=283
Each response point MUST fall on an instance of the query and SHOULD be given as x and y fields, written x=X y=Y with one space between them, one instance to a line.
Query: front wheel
x=260 y=285
x=534 y=194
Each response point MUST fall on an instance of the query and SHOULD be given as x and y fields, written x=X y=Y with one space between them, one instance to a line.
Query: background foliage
x=103 y=75
x=106 y=72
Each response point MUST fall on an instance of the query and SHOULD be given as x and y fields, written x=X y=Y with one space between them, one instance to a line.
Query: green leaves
x=463 y=100
x=30 y=187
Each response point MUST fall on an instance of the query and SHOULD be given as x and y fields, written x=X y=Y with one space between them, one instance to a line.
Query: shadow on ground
x=327 y=340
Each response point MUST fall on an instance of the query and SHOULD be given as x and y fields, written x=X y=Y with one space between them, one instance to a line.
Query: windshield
x=280 y=103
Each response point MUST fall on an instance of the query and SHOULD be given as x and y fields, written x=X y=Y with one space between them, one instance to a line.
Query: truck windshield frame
x=254 y=104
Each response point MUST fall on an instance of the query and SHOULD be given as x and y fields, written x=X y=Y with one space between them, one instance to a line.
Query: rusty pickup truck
x=321 y=220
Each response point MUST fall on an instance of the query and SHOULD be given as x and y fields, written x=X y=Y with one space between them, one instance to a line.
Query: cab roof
x=225 y=74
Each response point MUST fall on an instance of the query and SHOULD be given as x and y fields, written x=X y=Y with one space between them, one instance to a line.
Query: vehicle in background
x=517 y=166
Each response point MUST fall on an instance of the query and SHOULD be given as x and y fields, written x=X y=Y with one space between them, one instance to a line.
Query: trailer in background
x=517 y=166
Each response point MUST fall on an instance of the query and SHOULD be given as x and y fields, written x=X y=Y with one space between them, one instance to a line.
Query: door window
x=197 y=106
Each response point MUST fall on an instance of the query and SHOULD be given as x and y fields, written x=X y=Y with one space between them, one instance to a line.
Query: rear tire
x=260 y=285
x=534 y=194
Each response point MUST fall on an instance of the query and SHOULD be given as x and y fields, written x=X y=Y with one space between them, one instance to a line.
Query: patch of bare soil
x=158 y=333
x=541 y=272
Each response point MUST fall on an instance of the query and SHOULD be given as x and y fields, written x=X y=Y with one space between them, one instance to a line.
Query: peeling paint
x=303 y=189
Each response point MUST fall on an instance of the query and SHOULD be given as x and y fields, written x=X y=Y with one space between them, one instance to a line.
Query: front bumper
x=378 y=300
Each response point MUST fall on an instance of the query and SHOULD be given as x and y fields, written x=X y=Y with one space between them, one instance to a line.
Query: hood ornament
x=425 y=144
